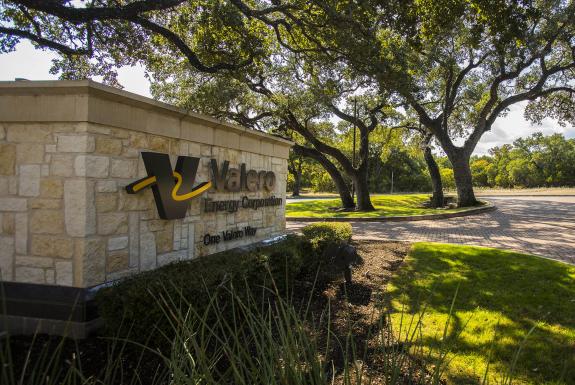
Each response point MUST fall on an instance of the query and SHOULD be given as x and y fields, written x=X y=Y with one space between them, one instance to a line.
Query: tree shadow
x=354 y=293
x=521 y=290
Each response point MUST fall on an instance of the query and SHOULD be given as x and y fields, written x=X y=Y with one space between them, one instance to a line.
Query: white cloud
x=512 y=126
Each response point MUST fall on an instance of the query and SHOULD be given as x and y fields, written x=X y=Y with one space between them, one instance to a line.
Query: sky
x=29 y=63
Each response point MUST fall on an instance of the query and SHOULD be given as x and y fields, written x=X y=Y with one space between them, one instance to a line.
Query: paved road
x=542 y=225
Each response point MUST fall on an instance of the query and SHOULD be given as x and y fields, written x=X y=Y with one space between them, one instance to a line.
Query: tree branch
x=186 y=50
x=82 y=15
x=44 y=42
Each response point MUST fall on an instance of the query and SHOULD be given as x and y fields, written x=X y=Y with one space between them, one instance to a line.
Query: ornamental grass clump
x=266 y=339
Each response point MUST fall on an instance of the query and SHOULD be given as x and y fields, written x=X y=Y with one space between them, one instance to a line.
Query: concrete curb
x=476 y=210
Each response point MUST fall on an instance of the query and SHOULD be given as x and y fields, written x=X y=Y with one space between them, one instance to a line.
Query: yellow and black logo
x=172 y=189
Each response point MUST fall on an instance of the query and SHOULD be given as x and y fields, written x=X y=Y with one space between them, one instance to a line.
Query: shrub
x=321 y=234
x=139 y=308
x=136 y=308
x=318 y=237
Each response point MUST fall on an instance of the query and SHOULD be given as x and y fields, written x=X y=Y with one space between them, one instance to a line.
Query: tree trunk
x=463 y=178
x=342 y=188
x=436 y=184
x=360 y=176
x=296 y=183
x=362 y=190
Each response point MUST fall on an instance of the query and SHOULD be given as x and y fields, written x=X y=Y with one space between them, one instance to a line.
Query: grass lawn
x=501 y=296
x=385 y=206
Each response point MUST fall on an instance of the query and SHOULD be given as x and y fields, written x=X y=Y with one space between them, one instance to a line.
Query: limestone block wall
x=67 y=151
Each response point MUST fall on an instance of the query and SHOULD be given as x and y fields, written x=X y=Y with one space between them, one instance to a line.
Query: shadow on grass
x=501 y=296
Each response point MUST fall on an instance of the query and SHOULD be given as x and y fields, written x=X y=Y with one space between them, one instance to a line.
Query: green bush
x=135 y=307
x=321 y=234
x=317 y=237
x=138 y=307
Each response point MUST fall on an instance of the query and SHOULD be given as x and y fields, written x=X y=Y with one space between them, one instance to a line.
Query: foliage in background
x=535 y=161
x=393 y=154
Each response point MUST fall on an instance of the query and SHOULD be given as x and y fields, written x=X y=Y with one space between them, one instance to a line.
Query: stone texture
x=30 y=153
x=117 y=243
x=75 y=143
x=4 y=183
x=157 y=225
x=159 y=144
x=117 y=261
x=112 y=223
x=92 y=166
x=79 y=207
x=52 y=246
x=7 y=159
x=12 y=185
x=91 y=256
x=109 y=146
x=147 y=251
x=71 y=229
x=184 y=236
x=134 y=232
x=47 y=222
x=39 y=133
x=176 y=237
x=29 y=275
x=123 y=168
x=191 y=237
x=106 y=186
x=6 y=258
x=40 y=203
x=164 y=259
x=29 y=180
x=50 y=276
x=51 y=188
x=34 y=261
x=8 y=224
x=132 y=202
x=106 y=202
x=13 y=204
x=64 y=273
x=138 y=140
x=164 y=241
x=21 y=233
x=62 y=165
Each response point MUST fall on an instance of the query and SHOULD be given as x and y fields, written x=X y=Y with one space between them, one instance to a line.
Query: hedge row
x=136 y=307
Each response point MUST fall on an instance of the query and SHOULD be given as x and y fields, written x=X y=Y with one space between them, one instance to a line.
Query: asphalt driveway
x=542 y=225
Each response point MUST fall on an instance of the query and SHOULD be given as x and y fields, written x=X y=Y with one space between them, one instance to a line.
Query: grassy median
x=513 y=312
x=385 y=206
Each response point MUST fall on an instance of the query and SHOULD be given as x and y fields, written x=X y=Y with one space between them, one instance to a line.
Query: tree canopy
x=452 y=67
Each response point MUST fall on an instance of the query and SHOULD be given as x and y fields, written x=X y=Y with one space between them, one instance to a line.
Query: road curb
x=425 y=217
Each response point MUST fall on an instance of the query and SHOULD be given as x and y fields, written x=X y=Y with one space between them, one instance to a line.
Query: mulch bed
x=358 y=304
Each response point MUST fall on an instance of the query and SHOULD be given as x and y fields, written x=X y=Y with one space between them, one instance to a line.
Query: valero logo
x=172 y=189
